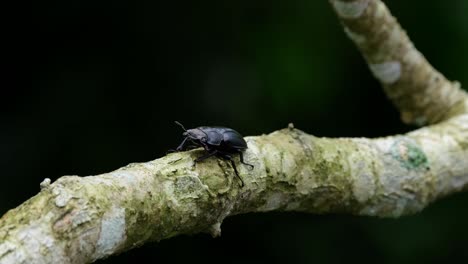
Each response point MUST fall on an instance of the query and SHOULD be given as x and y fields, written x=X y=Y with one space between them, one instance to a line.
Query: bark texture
x=421 y=93
x=82 y=219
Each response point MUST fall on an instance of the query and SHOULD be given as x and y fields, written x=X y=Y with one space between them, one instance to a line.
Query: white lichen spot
x=364 y=186
x=61 y=195
x=387 y=72
x=45 y=184
x=38 y=242
x=357 y=38
x=112 y=233
x=384 y=144
x=350 y=9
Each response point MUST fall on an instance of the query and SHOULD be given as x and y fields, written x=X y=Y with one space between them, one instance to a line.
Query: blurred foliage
x=95 y=85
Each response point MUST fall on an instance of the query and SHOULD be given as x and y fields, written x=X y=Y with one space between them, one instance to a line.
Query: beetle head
x=194 y=134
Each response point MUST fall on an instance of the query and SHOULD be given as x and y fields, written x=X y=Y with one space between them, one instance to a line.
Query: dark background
x=90 y=86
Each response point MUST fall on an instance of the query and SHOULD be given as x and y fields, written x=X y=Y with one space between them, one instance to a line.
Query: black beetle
x=221 y=142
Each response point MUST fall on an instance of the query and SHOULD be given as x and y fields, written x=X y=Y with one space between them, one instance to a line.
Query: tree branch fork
x=82 y=219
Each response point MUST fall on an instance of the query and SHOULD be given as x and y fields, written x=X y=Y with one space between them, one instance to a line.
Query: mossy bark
x=81 y=219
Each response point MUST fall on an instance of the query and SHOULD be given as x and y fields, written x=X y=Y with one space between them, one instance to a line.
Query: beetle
x=222 y=142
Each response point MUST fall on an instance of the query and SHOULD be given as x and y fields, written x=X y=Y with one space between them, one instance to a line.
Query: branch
x=82 y=219
x=421 y=93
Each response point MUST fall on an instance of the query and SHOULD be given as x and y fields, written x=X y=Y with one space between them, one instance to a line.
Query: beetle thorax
x=196 y=134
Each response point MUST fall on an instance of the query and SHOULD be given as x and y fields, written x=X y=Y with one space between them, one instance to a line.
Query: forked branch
x=82 y=219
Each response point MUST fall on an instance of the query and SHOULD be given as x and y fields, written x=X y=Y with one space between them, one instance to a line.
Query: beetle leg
x=191 y=145
x=181 y=146
x=235 y=169
x=242 y=160
x=204 y=157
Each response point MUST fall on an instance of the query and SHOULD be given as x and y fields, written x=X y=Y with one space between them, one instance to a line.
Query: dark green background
x=90 y=86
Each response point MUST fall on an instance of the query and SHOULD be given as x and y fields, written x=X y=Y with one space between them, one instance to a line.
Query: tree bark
x=82 y=219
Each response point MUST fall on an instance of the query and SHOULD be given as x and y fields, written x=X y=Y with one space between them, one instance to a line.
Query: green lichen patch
x=409 y=154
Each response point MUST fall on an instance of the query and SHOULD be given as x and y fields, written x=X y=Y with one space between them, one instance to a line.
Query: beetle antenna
x=179 y=124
